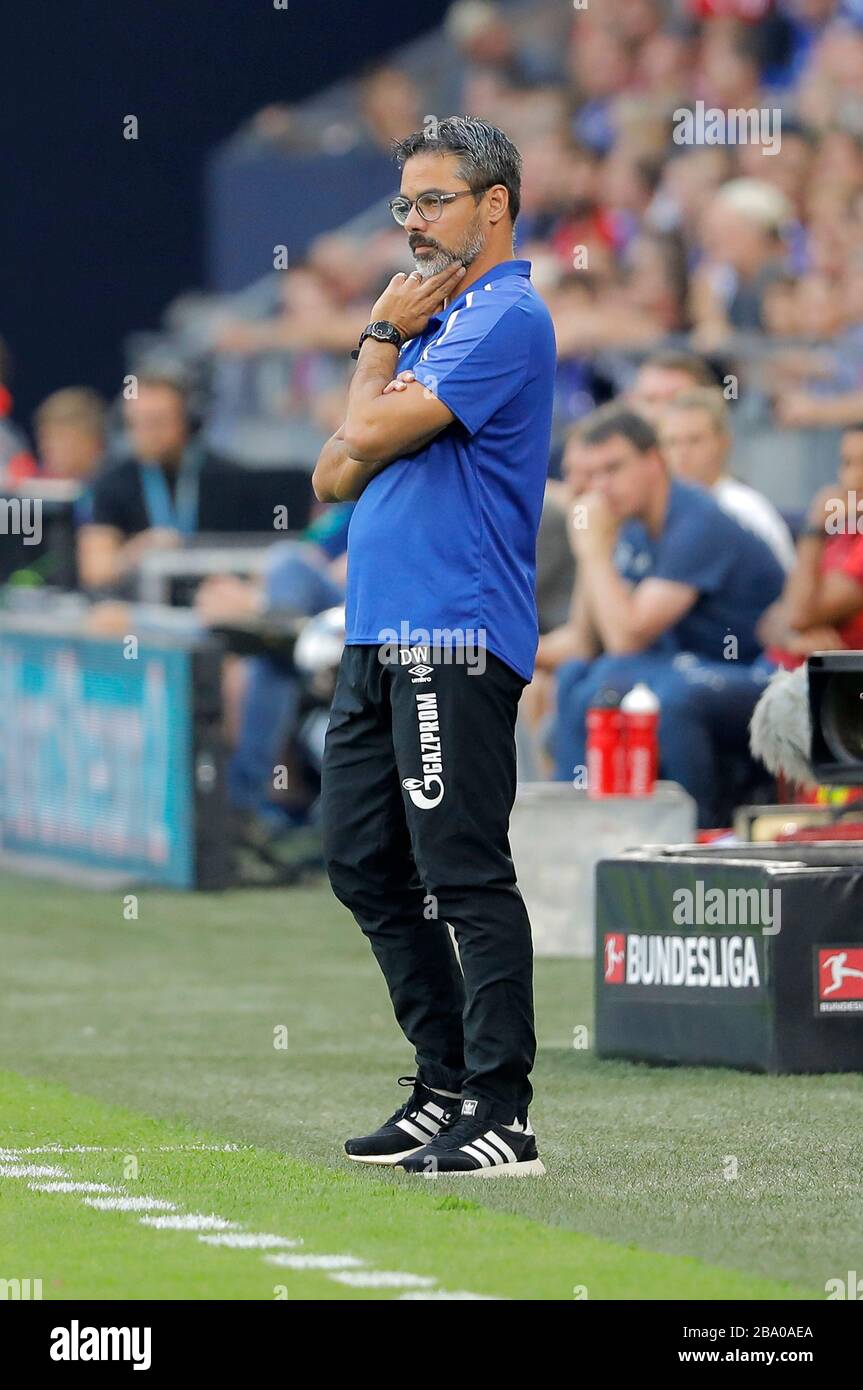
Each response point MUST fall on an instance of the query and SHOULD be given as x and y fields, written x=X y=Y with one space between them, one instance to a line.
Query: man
x=167 y=488
x=449 y=464
x=70 y=427
x=744 y=228
x=670 y=589
x=664 y=375
x=695 y=438
x=150 y=500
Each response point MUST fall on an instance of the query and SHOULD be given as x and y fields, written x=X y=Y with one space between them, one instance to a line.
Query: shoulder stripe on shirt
x=468 y=301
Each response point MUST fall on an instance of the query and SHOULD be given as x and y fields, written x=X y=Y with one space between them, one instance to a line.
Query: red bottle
x=606 y=768
x=640 y=719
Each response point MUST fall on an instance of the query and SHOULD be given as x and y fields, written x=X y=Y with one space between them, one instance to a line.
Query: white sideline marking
x=248 y=1240
x=384 y=1279
x=73 y=1187
x=115 y=1149
x=129 y=1204
x=189 y=1223
x=345 y=1269
x=445 y=1294
x=315 y=1261
x=32 y=1170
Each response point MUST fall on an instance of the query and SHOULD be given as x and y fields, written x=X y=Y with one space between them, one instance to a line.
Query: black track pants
x=418 y=784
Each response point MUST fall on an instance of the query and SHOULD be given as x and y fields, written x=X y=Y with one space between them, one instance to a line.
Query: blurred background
x=196 y=228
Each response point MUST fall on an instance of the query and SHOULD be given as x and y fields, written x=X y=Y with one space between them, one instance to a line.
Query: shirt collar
x=497 y=272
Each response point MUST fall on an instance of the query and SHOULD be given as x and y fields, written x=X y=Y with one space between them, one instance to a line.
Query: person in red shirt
x=821 y=608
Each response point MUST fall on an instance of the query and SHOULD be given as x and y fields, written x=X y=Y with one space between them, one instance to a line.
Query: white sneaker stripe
x=501 y=1144
x=435 y=1110
x=483 y=1159
x=489 y=1149
x=426 y=1122
x=420 y=1135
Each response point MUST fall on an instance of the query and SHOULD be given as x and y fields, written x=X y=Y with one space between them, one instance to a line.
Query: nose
x=414 y=223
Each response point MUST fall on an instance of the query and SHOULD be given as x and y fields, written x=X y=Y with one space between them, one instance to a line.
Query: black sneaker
x=406 y=1132
x=470 y=1142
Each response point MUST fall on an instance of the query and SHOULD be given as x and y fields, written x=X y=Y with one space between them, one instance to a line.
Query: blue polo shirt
x=735 y=572
x=442 y=543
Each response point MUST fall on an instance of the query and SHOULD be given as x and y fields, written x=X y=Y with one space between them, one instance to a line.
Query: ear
x=498 y=202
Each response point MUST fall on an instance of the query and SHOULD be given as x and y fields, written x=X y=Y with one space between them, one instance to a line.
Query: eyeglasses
x=428 y=205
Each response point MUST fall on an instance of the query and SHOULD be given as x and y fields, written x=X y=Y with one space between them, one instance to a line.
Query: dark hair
x=612 y=420
x=486 y=155
x=169 y=377
x=675 y=360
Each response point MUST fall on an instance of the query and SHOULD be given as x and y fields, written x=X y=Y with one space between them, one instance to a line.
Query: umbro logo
x=421 y=674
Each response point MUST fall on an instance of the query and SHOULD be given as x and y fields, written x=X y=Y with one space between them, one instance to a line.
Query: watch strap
x=396 y=339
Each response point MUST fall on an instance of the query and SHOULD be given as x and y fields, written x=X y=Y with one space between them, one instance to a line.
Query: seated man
x=695 y=438
x=670 y=589
x=821 y=608
x=166 y=488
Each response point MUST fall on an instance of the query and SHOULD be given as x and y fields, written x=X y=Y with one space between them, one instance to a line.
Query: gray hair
x=486 y=155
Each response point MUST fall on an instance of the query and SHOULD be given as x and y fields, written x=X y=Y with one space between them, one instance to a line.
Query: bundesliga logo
x=839 y=979
x=720 y=962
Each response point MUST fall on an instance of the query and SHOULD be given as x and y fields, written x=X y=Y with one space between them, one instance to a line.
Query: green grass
x=173 y=1018
x=390 y=1222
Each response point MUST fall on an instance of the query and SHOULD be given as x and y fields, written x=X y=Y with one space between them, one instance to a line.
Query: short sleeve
x=479 y=361
x=847 y=559
x=692 y=553
x=112 y=504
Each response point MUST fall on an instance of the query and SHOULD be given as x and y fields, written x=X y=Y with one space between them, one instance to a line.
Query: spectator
x=743 y=231
x=821 y=608
x=669 y=591
x=664 y=375
x=389 y=106
x=70 y=428
x=696 y=441
x=155 y=498
x=824 y=385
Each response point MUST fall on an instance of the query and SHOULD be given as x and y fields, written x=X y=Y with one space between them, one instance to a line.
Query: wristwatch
x=383 y=332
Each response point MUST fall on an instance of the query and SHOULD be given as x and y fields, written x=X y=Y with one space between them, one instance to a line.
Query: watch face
x=382 y=329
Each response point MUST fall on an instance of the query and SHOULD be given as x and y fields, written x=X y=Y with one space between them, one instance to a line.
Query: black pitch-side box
x=746 y=956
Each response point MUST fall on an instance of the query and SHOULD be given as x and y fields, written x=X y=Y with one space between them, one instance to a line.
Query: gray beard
x=427 y=266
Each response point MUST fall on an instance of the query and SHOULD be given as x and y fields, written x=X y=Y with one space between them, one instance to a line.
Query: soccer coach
x=445 y=444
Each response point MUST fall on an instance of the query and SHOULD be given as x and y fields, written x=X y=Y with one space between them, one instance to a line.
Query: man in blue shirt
x=670 y=589
x=445 y=445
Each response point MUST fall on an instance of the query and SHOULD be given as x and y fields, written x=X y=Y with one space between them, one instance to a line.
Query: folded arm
x=337 y=476
x=383 y=426
x=814 y=597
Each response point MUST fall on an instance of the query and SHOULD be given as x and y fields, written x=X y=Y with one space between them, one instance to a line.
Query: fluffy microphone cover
x=779 y=731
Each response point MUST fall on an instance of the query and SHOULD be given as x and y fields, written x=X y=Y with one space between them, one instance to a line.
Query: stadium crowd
x=706 y=286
